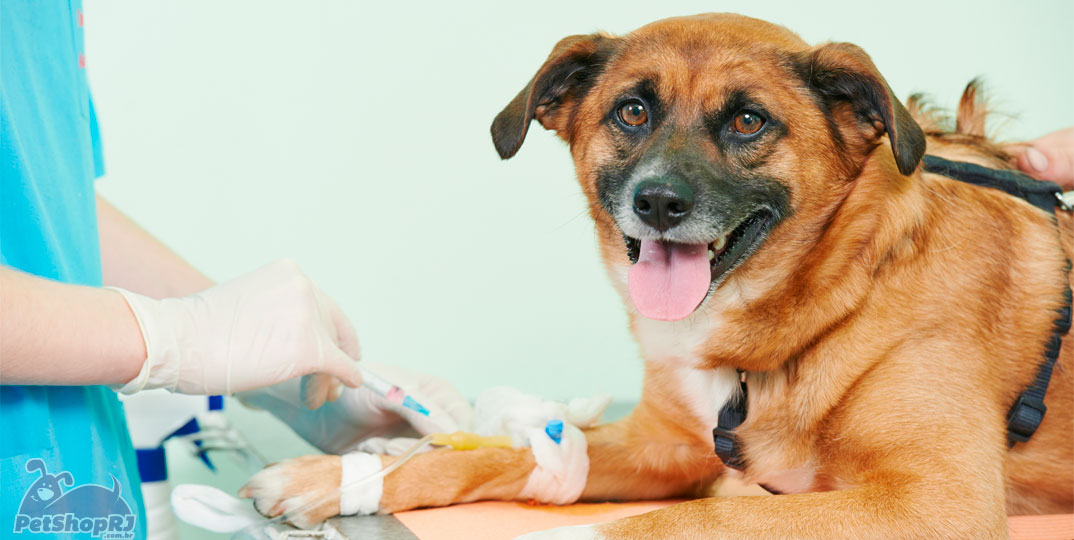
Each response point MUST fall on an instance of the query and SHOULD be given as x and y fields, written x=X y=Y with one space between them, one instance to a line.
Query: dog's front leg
x=856 y=514
x=654 y=453
x=884 y=474
x=639 y=457
x=437 y=478
x=633 y=459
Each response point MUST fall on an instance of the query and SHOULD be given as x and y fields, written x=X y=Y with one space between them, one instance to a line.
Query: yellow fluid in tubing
x=461 y=440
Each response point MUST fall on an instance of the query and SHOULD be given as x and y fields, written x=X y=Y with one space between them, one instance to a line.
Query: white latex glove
x=360 y=414
x=268 y=326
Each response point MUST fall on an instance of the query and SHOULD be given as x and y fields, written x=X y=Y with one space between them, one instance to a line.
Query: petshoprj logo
x=88 y=509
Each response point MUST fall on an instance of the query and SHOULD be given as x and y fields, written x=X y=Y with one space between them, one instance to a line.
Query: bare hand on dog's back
x=1050 y=157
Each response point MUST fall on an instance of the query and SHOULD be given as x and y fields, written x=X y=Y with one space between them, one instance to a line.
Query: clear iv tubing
x=266 y=530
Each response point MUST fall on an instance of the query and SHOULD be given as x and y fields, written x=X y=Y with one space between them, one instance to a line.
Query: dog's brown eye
x=748 y=123
x=633 y=113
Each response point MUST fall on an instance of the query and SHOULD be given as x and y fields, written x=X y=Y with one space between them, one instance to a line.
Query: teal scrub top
x=67 y=469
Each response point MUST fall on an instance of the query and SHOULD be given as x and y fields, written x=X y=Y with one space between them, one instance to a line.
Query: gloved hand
x=360 y=414
x=268 y=326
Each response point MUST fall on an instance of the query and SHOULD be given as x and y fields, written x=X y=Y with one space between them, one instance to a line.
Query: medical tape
x=362 y=499
x=562 y=469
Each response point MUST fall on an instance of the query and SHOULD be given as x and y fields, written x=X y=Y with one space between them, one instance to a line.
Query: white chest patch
x=676 y=342
x=676 y=345
x=707 y=391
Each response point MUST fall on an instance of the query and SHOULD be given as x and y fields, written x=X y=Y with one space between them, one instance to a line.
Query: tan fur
x=971 y=111
x=886 y=326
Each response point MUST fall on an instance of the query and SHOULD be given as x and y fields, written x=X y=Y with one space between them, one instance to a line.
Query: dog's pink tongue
x=669 y=280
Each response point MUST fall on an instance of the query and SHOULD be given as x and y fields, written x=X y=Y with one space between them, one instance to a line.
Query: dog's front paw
x=306 y=489
x=578 y=532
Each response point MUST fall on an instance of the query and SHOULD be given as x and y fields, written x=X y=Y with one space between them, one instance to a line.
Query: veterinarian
x=67 y=344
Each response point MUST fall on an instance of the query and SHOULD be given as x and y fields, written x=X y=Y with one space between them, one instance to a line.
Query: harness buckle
x=1062 y=324
x=726 y=445
x=1024 y=418
x=1066 y=200
x=724 y=439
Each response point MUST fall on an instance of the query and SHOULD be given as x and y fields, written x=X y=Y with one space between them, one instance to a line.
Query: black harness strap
x=1036 y=192
x=1027 y=413
x=723 y=435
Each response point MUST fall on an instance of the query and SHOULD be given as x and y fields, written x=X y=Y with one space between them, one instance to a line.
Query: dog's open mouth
x=669 y=280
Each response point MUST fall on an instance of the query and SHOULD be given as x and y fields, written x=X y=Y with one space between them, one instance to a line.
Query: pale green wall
x=353 y=137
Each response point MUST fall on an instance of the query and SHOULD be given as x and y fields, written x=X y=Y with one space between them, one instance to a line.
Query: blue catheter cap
x=554 y=429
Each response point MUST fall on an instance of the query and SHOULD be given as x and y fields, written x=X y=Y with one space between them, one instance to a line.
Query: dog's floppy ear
x=563 y=79
x=843 y=72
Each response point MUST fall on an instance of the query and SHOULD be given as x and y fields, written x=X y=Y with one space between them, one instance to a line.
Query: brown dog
x=760 y=207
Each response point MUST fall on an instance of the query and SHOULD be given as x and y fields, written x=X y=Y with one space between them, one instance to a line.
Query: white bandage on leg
x=562 y=469
x=363 y=499
x=391 y=447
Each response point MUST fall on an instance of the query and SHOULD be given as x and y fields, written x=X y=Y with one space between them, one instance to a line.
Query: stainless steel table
x=372 y=528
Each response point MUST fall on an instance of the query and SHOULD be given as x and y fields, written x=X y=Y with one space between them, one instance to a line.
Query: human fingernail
x=1037 y=160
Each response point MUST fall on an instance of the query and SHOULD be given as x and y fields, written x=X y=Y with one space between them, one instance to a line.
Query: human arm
x=286 y=300
x=59 y=334
x=265 y=327
x=135 y=260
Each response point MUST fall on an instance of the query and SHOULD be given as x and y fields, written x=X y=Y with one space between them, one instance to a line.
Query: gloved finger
x=345 y=336
x=437 y=421
x=343 y=366
x=317 y=388
x=444 y=395
x=373 y=445
x=284 y=401
x=289 y=391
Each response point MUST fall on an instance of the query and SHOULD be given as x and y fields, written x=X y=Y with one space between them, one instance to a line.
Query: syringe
x=389 y=391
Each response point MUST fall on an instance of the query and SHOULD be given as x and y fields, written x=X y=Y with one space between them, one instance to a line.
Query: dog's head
x=713 y=149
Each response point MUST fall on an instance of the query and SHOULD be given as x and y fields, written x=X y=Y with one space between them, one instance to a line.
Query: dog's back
x=1040 y=472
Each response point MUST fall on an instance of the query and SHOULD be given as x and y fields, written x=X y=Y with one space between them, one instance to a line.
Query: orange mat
x=1042 y=527
x=507 y=520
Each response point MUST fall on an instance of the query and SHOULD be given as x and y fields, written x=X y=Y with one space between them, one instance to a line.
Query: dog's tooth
x=712 y=254
x=720 y=243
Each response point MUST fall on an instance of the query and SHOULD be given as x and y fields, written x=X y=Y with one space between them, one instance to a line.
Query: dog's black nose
x=663 y=202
